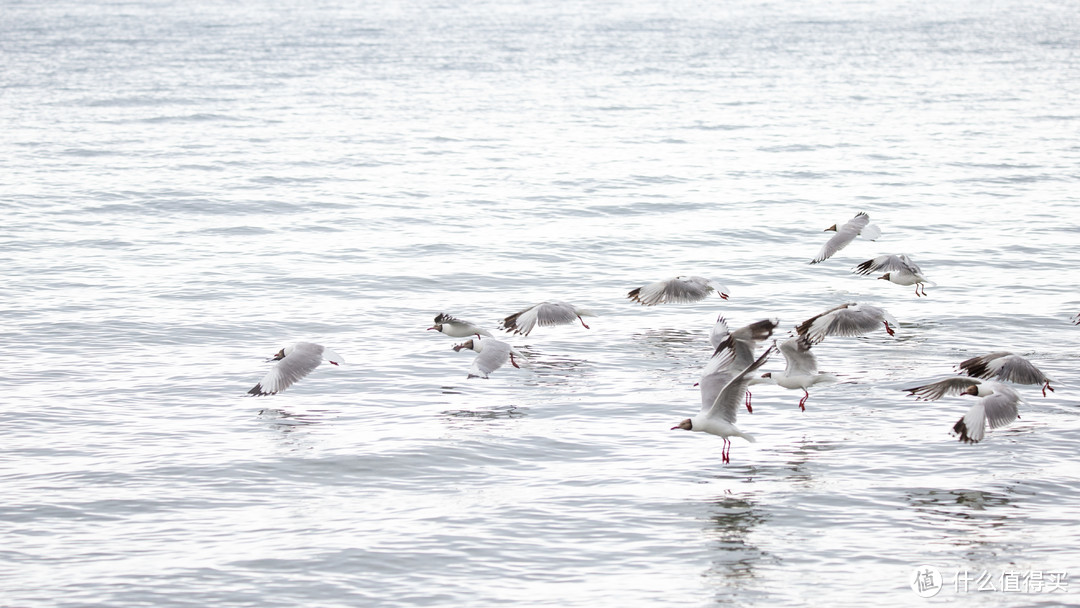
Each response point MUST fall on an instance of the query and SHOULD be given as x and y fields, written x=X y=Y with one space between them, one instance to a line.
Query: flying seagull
x=293 y=363
x=858 y=226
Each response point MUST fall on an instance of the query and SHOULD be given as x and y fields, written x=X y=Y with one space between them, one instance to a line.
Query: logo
x=925 y=581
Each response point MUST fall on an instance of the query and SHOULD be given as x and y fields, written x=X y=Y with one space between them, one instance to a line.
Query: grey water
x=187 y=187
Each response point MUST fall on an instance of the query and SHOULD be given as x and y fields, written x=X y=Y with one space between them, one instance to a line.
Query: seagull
x=736 y=348
x=679 y=289
x=801 y=370
x=998 y=407
x=294 y=362
x=899 y=269
x=858 y=226
x=491 y=354
x=720 y=393
x=851 y=319
x=457 y=328
x=545 y=313
x=1006 y=366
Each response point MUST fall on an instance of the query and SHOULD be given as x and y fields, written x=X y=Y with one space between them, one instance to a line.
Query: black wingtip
x=864 y=268
x=258 y=391
x=961 y=429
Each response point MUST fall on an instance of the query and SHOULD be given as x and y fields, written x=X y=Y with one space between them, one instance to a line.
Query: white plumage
x=457 y=328
x=850 y=319
x=491 y=354
x=898 y=268
x=678 y=289
x=293 y=363
x=721 y=395
x=997 y=407
x=858 y=226
x=545 y=313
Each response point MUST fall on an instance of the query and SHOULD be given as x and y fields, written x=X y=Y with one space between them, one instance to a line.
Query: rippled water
x=187 y=188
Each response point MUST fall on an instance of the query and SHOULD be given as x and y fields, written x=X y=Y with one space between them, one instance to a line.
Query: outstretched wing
x=800 y=360
x=1004 y=366
x=849 y=319
x=729 y=399
x=492 y=355
x=997 y=410
x=304 y=357
x=948 y=386
x=677 y=290
x=844 y=235
x=888 y=263
x=546 y=313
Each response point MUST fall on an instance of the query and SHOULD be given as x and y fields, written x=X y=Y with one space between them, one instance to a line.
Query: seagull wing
x=491 y=355
x=304 y=357
x=800 y=359
x=738 y=346
x=1004 y=366
x=888 y=263
x=546 y=313
x=677 y=290
x=849 y=319
x=844 y=235
x=719 y=332
x=997 y=410
x=729 y=399
x=948 y=386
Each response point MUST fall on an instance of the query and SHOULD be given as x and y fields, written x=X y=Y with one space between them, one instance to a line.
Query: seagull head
x=281 y=354
x=686 y=425
x=466 y=344
x=436 y=327
x=767 y=375
x=830 y=228
x=884 y=276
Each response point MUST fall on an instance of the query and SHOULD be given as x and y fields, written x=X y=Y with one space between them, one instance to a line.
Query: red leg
x=802 y=402
x=512 y=362
x=725 y=452
x=1047 y=386
x=582 y=322
x=748 y=408
x=889 y=329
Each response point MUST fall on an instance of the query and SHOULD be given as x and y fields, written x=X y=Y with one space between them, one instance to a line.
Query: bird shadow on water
x=287 y=424
x=551 y=371
x=500 y=412
x=976 y=520
x=729 y=525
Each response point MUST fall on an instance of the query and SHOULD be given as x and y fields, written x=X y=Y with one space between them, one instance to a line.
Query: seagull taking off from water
x=1006 y=366
x=801 y=370
x=858 y=226
x=679 y=289
x=293 y=363
x=998 y=406
x=851 y=319
x=545 y=313
x=491 y=354
x=457 y=328
x=721 y=393
x=898 y=268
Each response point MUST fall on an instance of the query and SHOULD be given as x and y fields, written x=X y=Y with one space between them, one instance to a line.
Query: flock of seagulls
x=734 y=365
